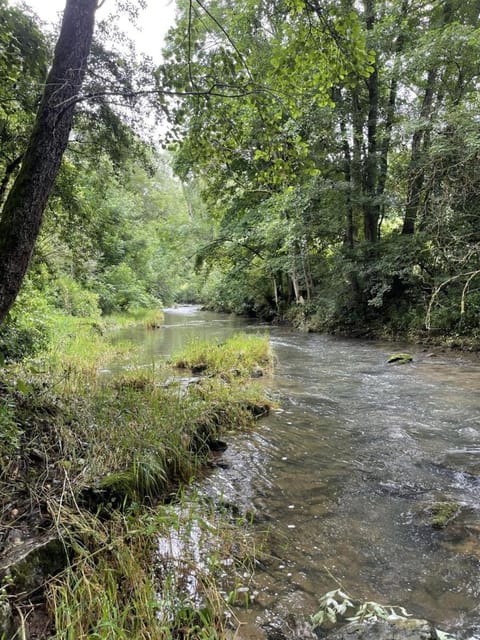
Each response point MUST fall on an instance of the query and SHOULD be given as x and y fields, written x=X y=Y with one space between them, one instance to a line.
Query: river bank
x=336 y=484
x=91 y=461
x=311 y=320
x=407 y=327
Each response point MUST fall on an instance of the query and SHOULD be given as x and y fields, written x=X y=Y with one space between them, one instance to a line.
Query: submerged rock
x=258 y=410
x=438 y=515
x=463 y=538
x=442 y=513
x=217 y=445
x=292 y=628
x=399 y=629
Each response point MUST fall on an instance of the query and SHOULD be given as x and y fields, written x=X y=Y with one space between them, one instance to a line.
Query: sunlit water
x=342 y=474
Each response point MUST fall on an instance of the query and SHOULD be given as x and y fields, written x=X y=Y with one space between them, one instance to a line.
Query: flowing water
x=343 y=474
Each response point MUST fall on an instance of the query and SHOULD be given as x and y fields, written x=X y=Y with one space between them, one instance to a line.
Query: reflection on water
x=181 y=326
x=342 y=475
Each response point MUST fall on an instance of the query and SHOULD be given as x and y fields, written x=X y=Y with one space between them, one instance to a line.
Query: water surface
x=342 y=474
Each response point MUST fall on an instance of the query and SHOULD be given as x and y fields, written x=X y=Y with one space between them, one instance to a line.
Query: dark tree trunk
x=23 y=210
x=356 y=178
x=416 y=174
x=371 y=208
x=347 y=166
x=391 y=105
x=9 y=171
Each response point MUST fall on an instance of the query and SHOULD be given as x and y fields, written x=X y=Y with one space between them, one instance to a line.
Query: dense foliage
x=343 y=178
x=327 y=163
x=119 y=230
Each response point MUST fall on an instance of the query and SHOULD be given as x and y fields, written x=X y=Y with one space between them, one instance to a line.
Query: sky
x=153 y=22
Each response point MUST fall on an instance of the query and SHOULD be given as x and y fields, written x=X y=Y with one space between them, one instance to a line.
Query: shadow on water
x=343 y=474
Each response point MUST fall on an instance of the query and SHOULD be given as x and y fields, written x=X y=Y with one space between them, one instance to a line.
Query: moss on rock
x=442 y=513
x=400 y=358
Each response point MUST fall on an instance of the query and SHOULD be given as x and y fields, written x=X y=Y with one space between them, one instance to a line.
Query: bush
x=121 y=290
x=26 y=331
x=248 y=294
x=69 y=296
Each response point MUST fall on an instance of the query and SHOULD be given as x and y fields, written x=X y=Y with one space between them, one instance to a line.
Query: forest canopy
x=346 y=183
x=320 y=164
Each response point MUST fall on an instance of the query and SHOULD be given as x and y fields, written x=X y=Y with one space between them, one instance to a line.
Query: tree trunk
x=9 y=171
x=416 y=174
x=296 y=288
x=391 y=105
x=371 y=207
x=23 y=210
x=349 y=238
x=356 y=178
x=275 y=294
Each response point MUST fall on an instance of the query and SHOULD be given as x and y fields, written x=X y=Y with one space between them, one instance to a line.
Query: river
x=342 y=475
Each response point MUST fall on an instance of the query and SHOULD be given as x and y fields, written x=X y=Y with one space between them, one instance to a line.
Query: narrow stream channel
x=342 y=475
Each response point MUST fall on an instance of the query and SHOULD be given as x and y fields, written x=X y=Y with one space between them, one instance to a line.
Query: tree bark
x=9 y=171
x=349 y=238
x=415 y=170
x=371 y=207
x=24 y=207
x=356 y=175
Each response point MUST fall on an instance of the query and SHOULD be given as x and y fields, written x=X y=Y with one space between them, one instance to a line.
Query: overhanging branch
x=215 y=90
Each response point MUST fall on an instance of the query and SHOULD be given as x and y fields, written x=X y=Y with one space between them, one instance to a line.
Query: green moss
x=400 y=358
x=442 y=513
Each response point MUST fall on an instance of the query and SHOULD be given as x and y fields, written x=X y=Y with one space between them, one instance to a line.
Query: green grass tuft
x=240 y=356
x=96 y=451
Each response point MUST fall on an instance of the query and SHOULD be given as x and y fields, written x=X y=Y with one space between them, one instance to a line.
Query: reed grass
x=107 y=591
x=150 y=318
x=240 y=355
x=123 y=583
x=108 y=448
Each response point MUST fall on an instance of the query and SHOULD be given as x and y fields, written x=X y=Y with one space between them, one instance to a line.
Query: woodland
x=312 y=162
x=301 y=160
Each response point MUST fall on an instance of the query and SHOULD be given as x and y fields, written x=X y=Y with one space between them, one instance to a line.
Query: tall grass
x=120 y=444
x=150 y=318
x=240 y=355
x=160 y=574
x=107 y=591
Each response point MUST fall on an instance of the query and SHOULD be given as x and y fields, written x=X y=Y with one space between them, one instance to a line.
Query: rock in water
x=400 y=358
x=400 y=629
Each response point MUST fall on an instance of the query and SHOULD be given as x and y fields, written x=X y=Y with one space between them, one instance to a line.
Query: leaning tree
x=24 y=207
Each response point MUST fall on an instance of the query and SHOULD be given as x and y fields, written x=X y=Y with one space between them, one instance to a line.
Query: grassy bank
x=91 y=467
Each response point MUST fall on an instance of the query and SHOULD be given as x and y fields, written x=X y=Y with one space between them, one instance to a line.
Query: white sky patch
x=153 y=22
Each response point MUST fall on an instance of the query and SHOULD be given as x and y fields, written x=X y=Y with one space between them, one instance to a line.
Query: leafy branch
x=335 y=604
x=470 y=276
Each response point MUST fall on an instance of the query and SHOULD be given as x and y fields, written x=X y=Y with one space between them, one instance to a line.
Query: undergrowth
x=87 y=455
x=148 y=575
